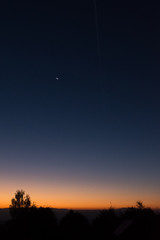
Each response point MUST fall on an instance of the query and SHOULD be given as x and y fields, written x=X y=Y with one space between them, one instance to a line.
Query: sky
x=89 y=139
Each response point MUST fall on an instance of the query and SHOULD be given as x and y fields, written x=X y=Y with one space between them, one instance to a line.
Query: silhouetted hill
x=4 y=215
x=89 y=214
x=112 y=224
x=60 y=213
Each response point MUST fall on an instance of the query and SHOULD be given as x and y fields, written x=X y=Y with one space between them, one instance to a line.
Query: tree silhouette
x=105 y=223
x=20 y=204
x=140 y=205
x=20 y=200
x=74 y=226
x=37 y=223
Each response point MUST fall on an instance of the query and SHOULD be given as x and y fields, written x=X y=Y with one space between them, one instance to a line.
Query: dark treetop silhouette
x=21 y=200
x=36 y=223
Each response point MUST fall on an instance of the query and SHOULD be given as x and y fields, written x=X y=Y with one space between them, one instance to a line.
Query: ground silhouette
x=31 y=222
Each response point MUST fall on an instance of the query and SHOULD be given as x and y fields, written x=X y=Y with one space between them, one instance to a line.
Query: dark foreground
x=41 y=223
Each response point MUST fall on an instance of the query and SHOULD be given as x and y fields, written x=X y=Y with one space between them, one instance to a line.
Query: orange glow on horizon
x=69 y=203
x=78 y=195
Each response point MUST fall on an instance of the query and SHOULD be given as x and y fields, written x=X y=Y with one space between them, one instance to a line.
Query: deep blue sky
x=96 y=124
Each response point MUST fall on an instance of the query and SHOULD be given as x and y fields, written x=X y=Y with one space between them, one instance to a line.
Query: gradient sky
x=92 y=138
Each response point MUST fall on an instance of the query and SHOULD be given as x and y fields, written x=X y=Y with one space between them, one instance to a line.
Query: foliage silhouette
x=143 y=223
x=30 y=222
x=20 y=204
x=37 y=223
x=74 y=226
x=140 y=205
x=105 y=223
x=20 y=200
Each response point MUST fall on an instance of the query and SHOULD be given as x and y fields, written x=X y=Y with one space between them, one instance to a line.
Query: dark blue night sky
x=95 y=129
